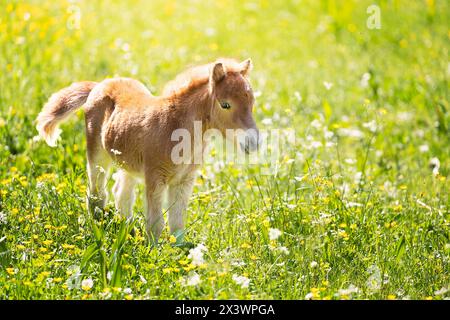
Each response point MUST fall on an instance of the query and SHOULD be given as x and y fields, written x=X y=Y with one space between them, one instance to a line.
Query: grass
x=361 y=213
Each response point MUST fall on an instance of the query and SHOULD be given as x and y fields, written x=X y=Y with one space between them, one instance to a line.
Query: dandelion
x=343 y=234
x=246 y=245
x=47 y=242
x=313 y=294
x=172 y=239
x=87 y=284
x=274 y=234
x=241 y=281
x=196 y=255
x=167 y=270
x=313 y=264
x=28 y=283
x=11 y=271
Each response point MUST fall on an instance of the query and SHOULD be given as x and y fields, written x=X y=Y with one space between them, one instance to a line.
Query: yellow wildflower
x=10 y=271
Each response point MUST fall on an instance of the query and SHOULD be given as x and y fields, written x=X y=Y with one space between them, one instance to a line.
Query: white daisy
x=241 y=280
x=274 y=234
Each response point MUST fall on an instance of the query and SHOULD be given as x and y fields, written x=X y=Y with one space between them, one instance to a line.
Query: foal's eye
x=225 y=105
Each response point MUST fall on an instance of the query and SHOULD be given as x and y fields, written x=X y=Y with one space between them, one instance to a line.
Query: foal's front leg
x=154 y=216
x=179 y=194
x=123 y=190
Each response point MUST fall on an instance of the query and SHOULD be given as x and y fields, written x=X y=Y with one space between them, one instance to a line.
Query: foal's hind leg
x=99 y=161
x=99 y=164
x=123 y=191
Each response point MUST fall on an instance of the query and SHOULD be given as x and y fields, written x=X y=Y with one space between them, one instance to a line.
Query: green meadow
x=356 y=208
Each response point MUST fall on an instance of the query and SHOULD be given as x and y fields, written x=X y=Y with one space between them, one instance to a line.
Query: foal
x=127 y=125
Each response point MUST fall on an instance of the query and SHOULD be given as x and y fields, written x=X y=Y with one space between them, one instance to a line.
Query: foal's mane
x=196 y=77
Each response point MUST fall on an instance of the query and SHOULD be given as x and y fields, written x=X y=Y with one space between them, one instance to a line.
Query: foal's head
x=233 y=101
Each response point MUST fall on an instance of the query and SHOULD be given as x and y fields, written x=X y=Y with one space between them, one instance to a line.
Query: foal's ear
x=218 y=72
x=246 y=67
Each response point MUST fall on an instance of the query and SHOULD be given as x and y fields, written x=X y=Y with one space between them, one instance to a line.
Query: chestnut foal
x=127 y=125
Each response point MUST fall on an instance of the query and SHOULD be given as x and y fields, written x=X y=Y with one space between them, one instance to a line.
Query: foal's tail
x=59 y=107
